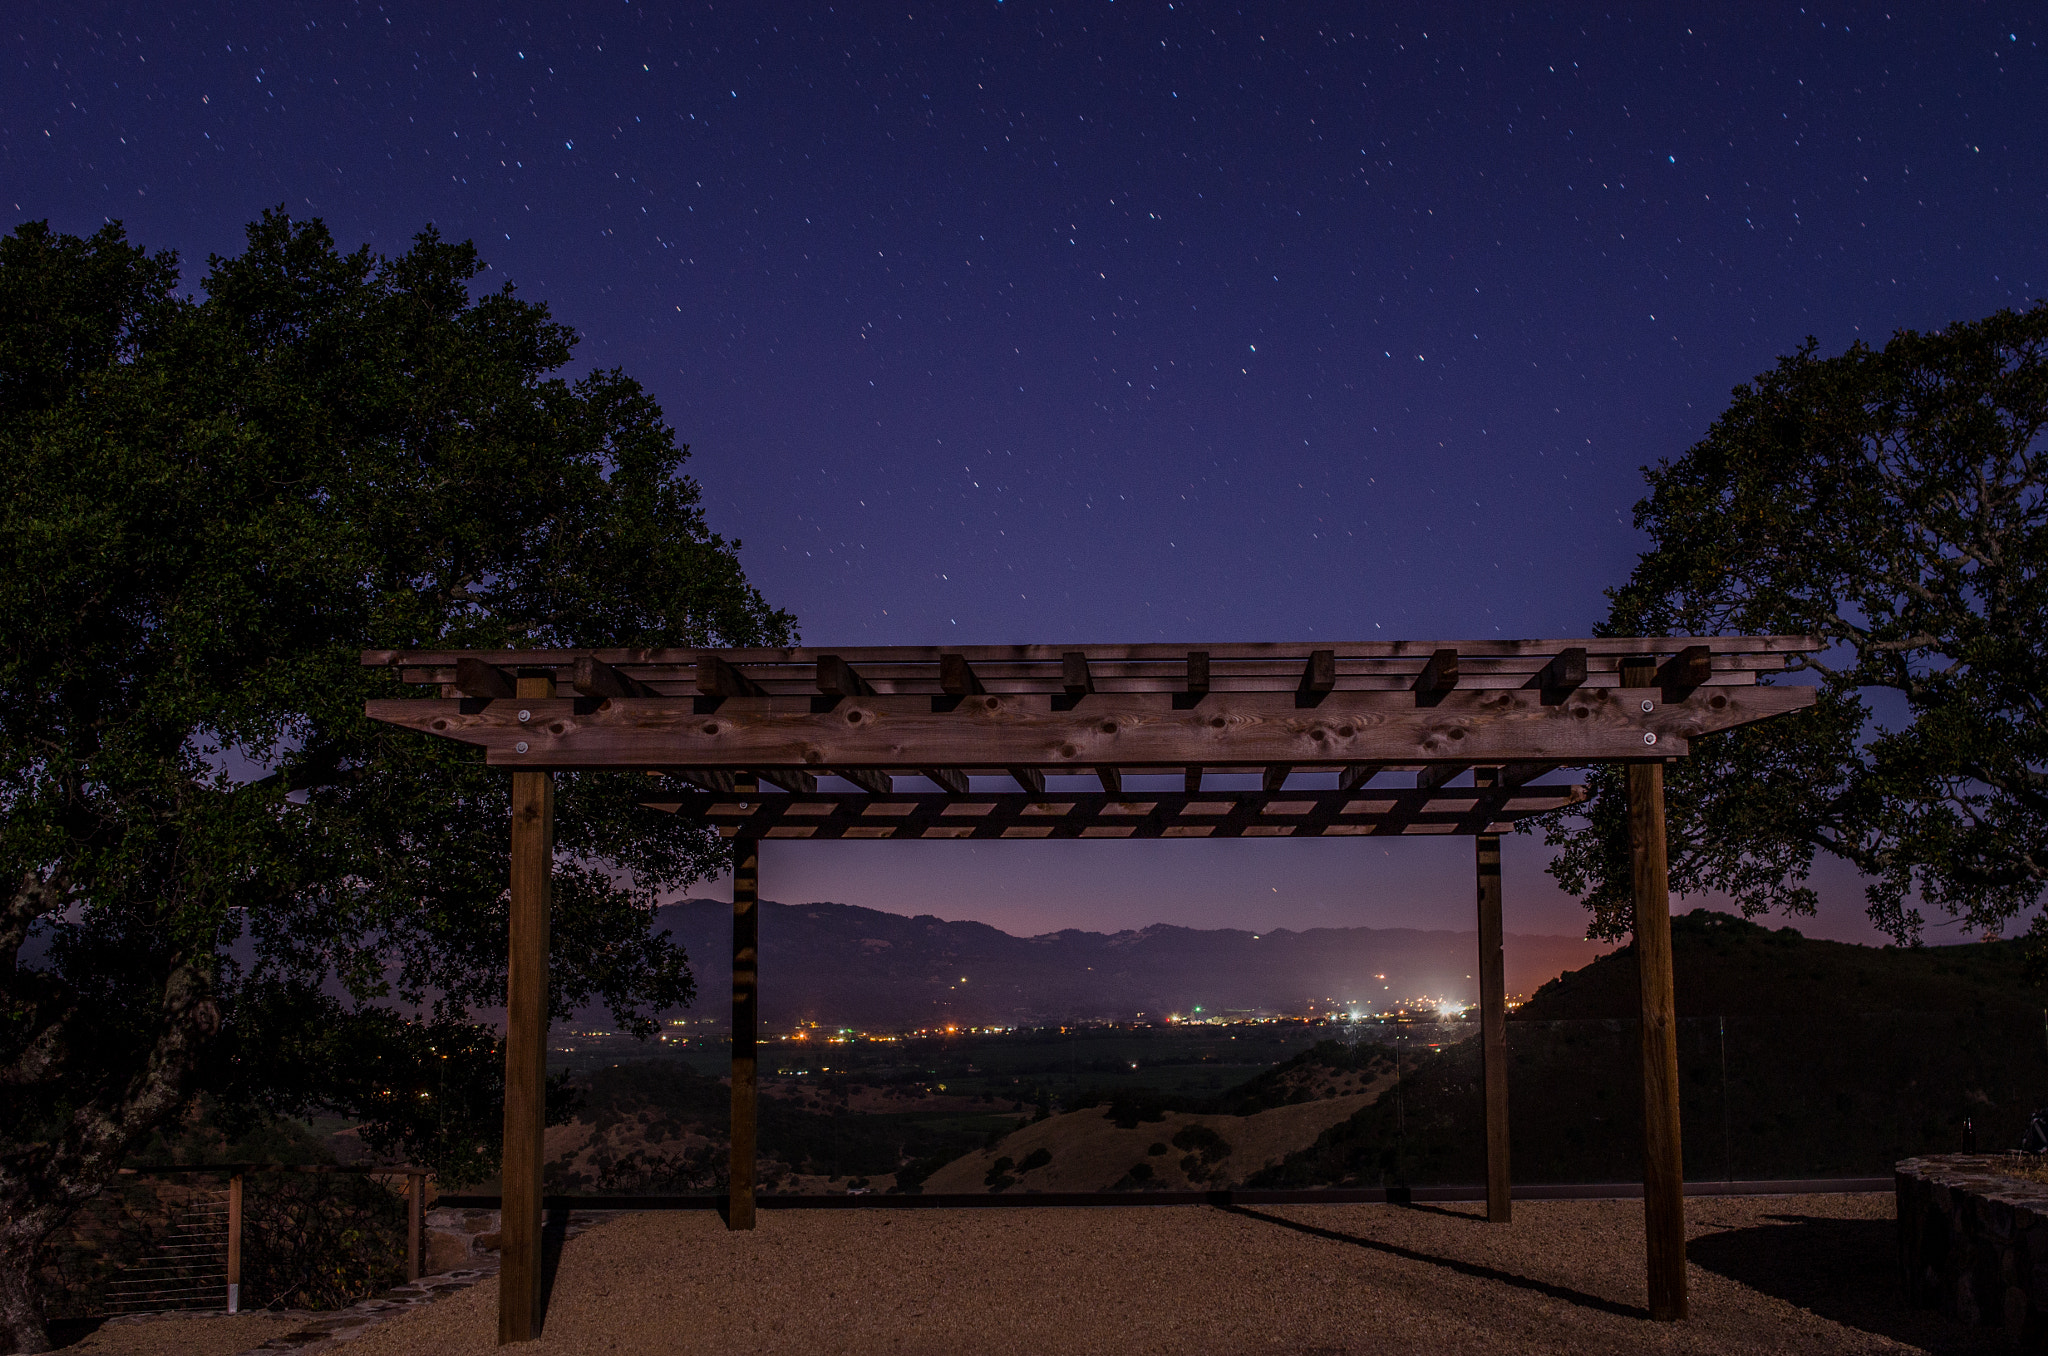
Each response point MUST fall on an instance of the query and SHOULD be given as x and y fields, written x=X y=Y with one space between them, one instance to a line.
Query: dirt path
x=1770 y=1274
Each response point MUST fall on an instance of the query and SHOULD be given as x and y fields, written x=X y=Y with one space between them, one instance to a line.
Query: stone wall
x=1973 y=1242
x=459 y=1239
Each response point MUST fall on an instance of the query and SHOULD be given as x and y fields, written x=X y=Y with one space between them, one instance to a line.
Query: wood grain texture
x=595 y=678
x=1355 y=775
x=475 y=678
x=719 y=677
x=1126 y=730
x=957 y=676
x=1439 y=675
x=1436 y=774
x=1663 y=1150
x=1493 y=1017
x=871 y=780
x=1565 y=673
x=1292 y=653
x=1216 y=814
x=746 y=1008
x=235 y=1245
x=526 y=1044
x=1692 y=667
x=837 y=678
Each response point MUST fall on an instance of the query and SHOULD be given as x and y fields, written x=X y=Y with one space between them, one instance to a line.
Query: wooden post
x=1493 y=1019
x=235 y=1243
x=415 y=1211
x=1663 y=1152
x=526 y=1044
x=746 y=899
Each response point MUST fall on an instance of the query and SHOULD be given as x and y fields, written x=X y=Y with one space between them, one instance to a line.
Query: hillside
x=840 y=965
x=660 y=1126
x=1796 y=1058
x=1727 y=965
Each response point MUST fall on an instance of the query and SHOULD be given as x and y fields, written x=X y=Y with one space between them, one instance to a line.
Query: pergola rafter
x=719 y=726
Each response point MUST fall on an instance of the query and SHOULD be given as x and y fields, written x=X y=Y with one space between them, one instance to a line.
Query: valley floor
x=1810 y=1274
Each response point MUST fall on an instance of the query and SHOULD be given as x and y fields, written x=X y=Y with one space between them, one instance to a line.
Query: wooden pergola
x=1319 y=725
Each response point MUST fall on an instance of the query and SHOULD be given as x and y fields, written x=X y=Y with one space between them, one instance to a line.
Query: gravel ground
x=208 y=1335
x=1807 y=1274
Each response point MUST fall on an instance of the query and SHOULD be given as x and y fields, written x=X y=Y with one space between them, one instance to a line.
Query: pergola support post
x=526 y=1045
x=746 y=948
x=1663 y=1150
x=1493 y=1020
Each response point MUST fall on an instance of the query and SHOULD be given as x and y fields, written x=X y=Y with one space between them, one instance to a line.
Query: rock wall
x=1973 y=1242
x=458 y=1239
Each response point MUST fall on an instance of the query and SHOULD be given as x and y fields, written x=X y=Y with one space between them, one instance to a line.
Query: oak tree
x=1893 y=502
x=215 y=874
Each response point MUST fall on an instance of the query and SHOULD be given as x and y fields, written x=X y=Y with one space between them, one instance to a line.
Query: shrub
x=1200 y=1139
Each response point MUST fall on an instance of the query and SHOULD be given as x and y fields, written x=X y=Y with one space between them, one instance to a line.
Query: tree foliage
x=1891 y=502
x=214 y=872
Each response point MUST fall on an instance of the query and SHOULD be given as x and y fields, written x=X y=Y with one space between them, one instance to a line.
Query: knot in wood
x=1068 y=751
x=1109 y=727
x=711 y=729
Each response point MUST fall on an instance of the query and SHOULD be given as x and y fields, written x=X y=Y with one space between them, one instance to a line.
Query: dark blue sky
x=1116 y=321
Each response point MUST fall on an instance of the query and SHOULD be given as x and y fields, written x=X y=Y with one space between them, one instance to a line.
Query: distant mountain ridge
x=850 y=966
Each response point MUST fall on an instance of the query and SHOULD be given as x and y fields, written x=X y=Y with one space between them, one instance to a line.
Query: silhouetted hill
x=1727 y=965
x=842 y=965
x=1797 y=1058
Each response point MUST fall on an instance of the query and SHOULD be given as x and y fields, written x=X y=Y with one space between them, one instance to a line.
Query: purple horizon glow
x=1119 y=322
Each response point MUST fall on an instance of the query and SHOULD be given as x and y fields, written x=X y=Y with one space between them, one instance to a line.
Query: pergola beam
x=595 y=678
x=1438 y=677
x=1355 y=775
x=1563 y=675
x=1099 y=814
x=1436 y=774
x=948 y=779
x=868 y=779
x=1075 y=674
x=1520 y=774
x=957 y=676
x=475 y=678
x=837 y=678
x=1493 y=1023
x=1127 y=730
x=716 y=677
x=716 y=779
x=794 y=780
x=1685 y=672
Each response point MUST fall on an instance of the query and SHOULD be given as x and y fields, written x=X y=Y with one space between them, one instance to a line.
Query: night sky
x=1120 y=322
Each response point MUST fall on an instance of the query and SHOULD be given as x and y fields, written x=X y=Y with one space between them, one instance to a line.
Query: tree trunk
x=21 y=1306
x=42 y=1187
